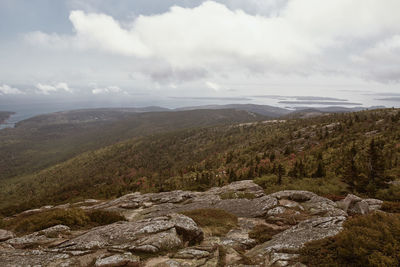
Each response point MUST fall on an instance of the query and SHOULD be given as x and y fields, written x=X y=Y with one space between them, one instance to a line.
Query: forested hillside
x=330 y=155
x=45 y=140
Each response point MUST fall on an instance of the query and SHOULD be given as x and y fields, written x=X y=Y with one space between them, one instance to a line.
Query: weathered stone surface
x=46 y=236
x=279 y=259
x=360 y=207
x=295 y=237
x=163 y=241
x=295 y=195
x=149 y=235
x=187 y=228
x=155 y=226
x=126 y=259
x=22 y=258
x=5 y=235
x=250 y=208
x=353 y=204
x=191 y=253
x=246 y=186
x=55 y=231
x=374 y=204
x=349 y=201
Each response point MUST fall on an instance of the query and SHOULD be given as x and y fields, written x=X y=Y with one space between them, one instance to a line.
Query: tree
x=280 y=172
x=376 y=167
x=350 y=172
x=320 y=172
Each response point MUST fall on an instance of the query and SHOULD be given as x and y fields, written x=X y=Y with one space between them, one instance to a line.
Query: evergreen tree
x=320 y=172
x=280 y=172
x=350 y=171
x=376 y=167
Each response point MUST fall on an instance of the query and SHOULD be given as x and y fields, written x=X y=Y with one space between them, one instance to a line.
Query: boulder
x=353 y=205
x=295 y=195
x=374 y=204
x=249 y=208
x=5 y=235
x=360 y=207
x=245 y=186
x=19 y=257
x=349 y=201
x=150 y=235
x=126 y=259
x=47 y=236
x=55 y=231
x=192 y=253
x=295 y=237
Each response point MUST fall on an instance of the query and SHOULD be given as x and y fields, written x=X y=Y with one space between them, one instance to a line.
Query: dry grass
x=263 y=233
x=216 y=222
x=74 y=218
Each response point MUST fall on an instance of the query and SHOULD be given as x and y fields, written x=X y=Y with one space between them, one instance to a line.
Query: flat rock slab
x=150 y=235
x=295 y=237
x=126 y=259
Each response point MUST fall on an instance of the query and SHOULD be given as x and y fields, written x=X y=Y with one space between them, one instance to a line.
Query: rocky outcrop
x=287 y=243
x=52 y=235
x=126 y=259
x=148 y=236
x=156 y=234
x=355 y=205
x=5 y=235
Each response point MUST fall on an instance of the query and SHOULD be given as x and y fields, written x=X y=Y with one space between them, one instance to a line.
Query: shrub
x=217 y=222
x=393 y=207
x=102 y=217
x=262 y=233
x=43 y=220
x=74 y=218
x=371 y=240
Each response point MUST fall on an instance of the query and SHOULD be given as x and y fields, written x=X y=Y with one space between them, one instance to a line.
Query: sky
x=193 y=52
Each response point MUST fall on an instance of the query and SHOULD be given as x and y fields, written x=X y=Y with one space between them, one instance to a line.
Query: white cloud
x=301 y=37
x=46 y=89
x=8 y=90
x=213 y=86
x=107 y=90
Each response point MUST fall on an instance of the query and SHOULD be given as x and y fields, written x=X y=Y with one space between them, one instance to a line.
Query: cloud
x=381 y=60
x=46 y=89
x=107 y=90
x=296 y=37
x=8 y=90
x=213 y=86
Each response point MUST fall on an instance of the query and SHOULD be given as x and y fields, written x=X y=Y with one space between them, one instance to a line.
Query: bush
x=217 y=222
x=263 y=233
x=102 y=217
x=74 y=218
x=43 y=220
x=321 y=186
x=392 y=207
x=371 y=240
x=390 y=194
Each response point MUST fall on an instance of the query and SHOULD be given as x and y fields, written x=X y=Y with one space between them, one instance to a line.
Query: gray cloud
x=315 y=50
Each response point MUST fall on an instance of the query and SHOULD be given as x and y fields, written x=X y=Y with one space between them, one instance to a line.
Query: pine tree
x=350 y=172
x=280 y=172
x=376 y=167
x=320 y=172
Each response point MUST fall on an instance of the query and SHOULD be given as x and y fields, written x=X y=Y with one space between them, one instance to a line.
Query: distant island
x=4 y=115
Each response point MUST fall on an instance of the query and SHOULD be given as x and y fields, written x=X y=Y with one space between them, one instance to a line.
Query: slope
x=45 y=140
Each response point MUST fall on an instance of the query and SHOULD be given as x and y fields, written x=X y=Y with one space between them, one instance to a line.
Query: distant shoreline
x=5 y=115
